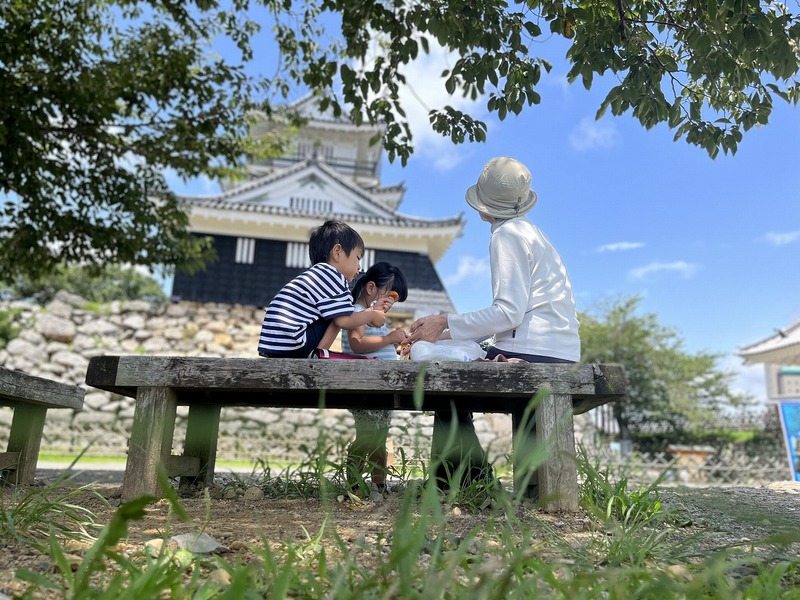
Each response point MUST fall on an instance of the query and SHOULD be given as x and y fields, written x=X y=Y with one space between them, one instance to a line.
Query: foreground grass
x=30 y=514
x=632 y=552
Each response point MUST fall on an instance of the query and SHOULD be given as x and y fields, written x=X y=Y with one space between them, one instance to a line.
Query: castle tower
x=260 y=227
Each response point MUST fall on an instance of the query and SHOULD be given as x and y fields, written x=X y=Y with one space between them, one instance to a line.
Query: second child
x=372 y=426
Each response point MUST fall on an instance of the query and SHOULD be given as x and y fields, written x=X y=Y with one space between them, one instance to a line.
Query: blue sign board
x=790 y=419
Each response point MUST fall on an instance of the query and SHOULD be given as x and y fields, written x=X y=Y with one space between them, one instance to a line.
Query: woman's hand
x=428 y=329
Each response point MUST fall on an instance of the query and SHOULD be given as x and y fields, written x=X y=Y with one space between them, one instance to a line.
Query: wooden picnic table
x=205 y=385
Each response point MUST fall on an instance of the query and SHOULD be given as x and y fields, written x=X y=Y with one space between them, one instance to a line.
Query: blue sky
x=711 y=246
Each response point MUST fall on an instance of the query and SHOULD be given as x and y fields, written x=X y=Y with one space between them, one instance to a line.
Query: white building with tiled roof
x=261 y=226
x=780 y=355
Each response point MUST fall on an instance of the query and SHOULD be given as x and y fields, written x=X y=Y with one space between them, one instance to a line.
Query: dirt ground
x=722 y=515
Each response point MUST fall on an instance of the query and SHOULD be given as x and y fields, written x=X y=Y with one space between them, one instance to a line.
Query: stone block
x=99 y=327
x=134 y=321
x=59 y=308
x=95 y=400
x=22 y=350
x=70 y=359
x=56 y=328
x=136 y=306
x=73 y=300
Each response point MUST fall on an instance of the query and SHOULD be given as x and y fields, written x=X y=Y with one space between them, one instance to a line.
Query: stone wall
x=56 y=341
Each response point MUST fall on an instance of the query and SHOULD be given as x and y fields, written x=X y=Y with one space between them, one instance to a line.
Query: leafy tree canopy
x=667 y=386
x=100 y=99
x=710 y=70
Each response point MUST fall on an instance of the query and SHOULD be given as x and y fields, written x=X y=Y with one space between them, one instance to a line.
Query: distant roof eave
x=783 y=347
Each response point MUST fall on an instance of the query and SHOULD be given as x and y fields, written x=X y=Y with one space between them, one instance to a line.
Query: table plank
x=294 y=382
x=17 y=387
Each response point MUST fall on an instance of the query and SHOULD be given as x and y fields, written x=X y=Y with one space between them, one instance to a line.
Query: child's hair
x=327 y=235
x=383 y=275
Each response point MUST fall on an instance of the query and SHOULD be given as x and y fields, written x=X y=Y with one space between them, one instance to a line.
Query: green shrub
x=8 y=329
x=98 y=286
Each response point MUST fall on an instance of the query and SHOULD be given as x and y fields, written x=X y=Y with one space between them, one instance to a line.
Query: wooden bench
x=160 y=384
x=30 y=397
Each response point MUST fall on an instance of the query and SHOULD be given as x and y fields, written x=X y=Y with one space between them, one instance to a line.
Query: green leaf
x=533 y=29
x=425 y=44
x=675 y=114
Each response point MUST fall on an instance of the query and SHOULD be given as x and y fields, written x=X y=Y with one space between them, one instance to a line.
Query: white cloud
x=469 y=268
x=423 y=92
x=591 y=135
x=782 y=239
x=678 y=266
x=559 y=81
x=619 y=247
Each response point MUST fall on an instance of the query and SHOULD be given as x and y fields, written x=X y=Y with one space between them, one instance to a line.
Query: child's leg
x=330 y=335
x=316 y=334
x=357 y=453
x=378 y=456
x=369 y=444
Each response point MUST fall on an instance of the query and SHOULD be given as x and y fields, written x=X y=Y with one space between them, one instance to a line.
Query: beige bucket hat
x=503 y=190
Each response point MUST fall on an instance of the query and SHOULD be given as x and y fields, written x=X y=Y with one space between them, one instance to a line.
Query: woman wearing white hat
x=532 y=316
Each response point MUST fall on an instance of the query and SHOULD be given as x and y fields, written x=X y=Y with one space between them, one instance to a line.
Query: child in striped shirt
x=309 y=311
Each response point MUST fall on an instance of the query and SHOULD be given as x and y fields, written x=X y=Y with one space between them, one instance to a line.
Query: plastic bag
x=463 y=350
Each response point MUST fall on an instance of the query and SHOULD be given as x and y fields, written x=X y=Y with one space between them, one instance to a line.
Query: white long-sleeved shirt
x=533 y=308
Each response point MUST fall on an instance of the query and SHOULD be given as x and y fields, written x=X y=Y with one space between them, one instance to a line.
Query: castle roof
x=288 y=203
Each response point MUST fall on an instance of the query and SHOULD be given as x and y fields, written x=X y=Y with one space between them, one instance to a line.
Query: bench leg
x=558 y=476
x=25 y=439
x=151 y=441
x=202 y=431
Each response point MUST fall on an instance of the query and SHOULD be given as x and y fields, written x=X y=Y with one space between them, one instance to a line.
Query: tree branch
x=623 y=29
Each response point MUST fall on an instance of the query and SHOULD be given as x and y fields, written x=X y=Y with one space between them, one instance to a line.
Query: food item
x=394 y=295
x=405 y=355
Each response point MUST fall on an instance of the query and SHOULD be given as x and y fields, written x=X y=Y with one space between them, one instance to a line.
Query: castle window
x=305 y=149
x=310 y=150
x=313 y=205
x=297 y=255
x=368 y=259
x=245 y=250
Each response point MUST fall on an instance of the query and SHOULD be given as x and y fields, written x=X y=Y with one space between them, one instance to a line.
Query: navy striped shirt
x=321 y=292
